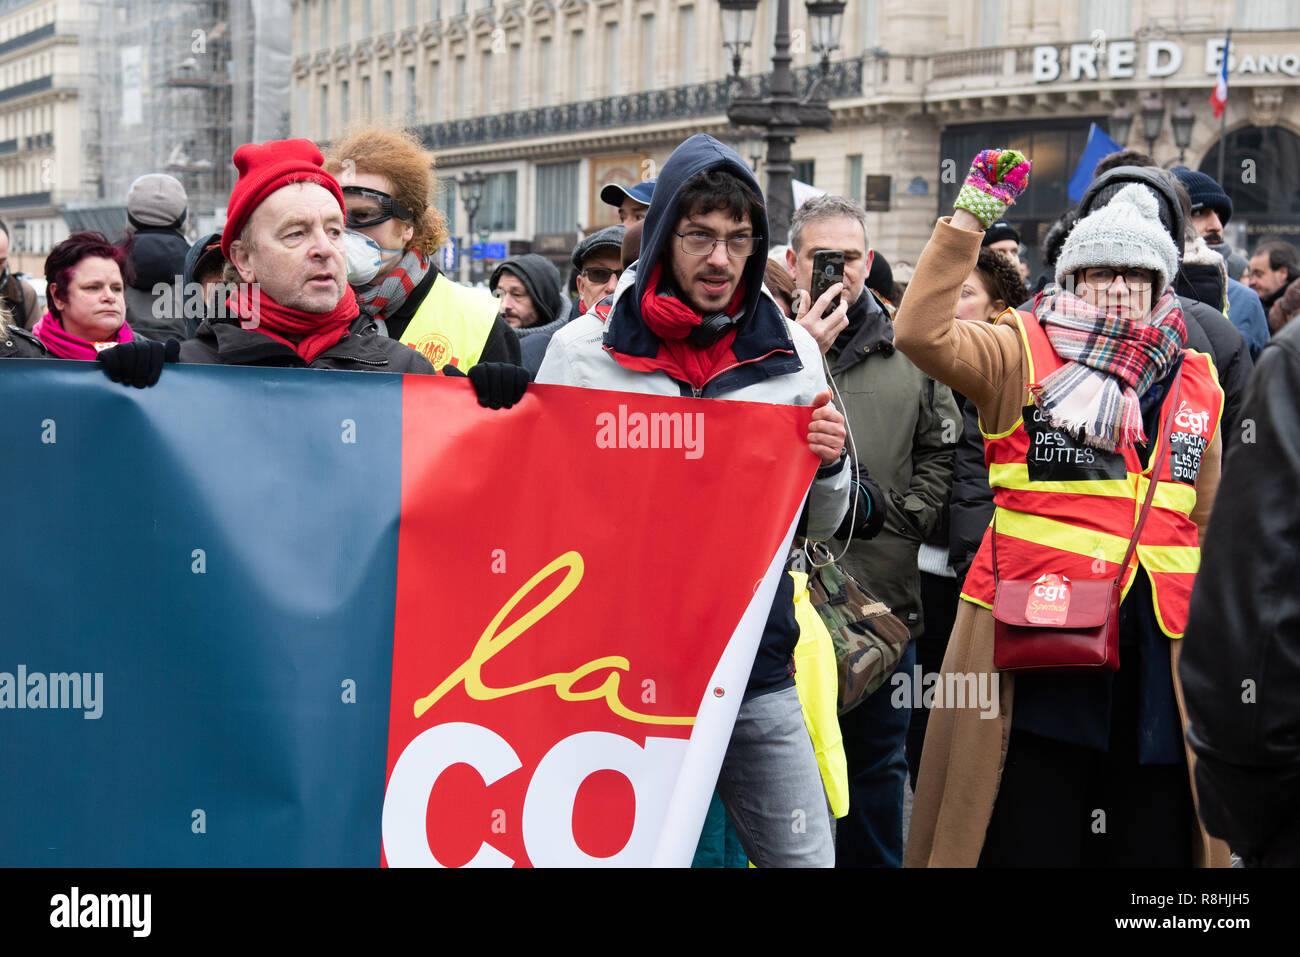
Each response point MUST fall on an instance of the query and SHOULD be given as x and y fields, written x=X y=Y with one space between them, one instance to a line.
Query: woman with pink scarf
x=87 y=312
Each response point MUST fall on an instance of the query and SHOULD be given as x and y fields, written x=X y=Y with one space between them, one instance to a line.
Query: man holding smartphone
x=904 y=427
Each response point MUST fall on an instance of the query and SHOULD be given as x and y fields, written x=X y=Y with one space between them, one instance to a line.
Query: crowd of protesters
x=981 y=433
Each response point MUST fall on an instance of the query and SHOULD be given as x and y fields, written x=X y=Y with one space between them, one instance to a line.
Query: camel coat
x=962 y=761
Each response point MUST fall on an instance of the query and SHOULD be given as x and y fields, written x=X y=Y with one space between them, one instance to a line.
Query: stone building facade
x=551 y=99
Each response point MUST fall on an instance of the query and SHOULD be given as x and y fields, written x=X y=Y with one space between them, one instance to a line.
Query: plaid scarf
x=383 y=300
x=1111 y=363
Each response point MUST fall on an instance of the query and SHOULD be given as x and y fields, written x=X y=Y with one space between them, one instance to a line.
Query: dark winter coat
x=157 y=257
x=970 y=508
x=20 y=297
x=16 y=343
x=904 y=430
x=1240 y=667
x=226 y=343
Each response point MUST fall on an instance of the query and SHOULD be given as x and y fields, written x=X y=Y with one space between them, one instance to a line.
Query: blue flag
x=1098 y=145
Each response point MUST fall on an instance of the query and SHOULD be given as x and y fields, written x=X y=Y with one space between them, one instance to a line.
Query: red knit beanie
x=264 y=168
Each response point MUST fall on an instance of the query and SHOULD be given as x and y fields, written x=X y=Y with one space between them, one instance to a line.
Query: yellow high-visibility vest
x=817 y=682
x=452 y=324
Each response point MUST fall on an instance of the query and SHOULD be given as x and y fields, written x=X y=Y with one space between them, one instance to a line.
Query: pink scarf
x=65 y=345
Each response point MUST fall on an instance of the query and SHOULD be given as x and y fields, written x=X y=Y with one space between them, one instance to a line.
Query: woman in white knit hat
x=1101 y=435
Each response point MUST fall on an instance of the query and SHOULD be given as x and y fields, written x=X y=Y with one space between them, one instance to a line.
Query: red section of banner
x=653 y=520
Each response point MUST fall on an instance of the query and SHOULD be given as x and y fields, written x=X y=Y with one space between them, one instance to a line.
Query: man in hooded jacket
x=692 y=319
x=531 y=303
x=156 y=207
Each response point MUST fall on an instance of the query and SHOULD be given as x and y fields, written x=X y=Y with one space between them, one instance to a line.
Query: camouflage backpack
x=869 y=640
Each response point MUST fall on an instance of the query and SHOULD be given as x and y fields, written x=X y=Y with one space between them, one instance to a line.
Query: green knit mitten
x=996 y=178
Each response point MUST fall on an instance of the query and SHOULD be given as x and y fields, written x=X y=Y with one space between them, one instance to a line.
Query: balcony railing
x=630 y=109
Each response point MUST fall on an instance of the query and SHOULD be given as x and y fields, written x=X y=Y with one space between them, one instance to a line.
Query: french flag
x=1219 y=98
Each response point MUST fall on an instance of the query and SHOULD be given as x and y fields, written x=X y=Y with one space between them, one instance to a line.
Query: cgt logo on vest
x=544 y=804
x=1187 y=446
x=1188 y=418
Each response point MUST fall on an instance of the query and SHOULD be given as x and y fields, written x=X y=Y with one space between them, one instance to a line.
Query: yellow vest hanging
x=452 y=324
x=816 y=680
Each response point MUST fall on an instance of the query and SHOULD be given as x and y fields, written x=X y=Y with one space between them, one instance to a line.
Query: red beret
x=264 y=168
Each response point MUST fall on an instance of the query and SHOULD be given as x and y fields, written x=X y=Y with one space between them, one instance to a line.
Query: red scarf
x=64 y=345
x=318 y=330
x=672 y=321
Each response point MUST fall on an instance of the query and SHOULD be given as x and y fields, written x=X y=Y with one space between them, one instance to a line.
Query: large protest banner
x=284 y=617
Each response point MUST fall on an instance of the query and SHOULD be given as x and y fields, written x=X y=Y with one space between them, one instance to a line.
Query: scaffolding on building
x=174 y=87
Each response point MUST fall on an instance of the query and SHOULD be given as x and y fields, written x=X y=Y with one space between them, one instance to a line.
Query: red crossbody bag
x=1033 y=630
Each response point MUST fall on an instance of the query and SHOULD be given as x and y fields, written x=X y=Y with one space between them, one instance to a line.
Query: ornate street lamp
x=1153 y=118
x=1121 y=122
x=1182 y=120
x=737 y=29
x=471 y=192
x=826 y=17
x=780 y=114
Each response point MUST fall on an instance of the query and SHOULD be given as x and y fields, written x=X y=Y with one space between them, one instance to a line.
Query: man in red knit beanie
x=284 y=234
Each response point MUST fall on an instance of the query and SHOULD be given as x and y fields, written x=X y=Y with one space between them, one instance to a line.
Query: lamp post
x=1121 y=122
x=1153 y=118
x=471 y=191
x=484 y=234
x=826 y=18
x=1182 y=120
x=780 y=114
x=737 y=29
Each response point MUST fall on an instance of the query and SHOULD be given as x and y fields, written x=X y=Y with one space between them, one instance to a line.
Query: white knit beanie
x=1125 y=232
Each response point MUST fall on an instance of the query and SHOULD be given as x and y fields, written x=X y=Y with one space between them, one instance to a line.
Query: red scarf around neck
x=317 y=330
x=672 y=321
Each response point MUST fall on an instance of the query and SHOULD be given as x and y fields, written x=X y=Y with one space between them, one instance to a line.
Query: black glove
x=138 y=362
x=870 y=516
x=499 y=384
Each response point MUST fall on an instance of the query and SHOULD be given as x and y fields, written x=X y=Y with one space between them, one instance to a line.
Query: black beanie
x=1205 y=191
x=540 y=278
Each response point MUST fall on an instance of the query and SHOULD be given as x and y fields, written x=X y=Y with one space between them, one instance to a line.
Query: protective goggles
x=365 y=214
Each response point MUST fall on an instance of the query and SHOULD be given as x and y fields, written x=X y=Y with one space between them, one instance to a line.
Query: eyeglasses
x=1103 y=276
x=600 y=275
x=702 y=244
x=365 y=215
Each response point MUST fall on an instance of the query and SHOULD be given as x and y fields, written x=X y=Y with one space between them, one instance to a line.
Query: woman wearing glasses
x=1101 y=435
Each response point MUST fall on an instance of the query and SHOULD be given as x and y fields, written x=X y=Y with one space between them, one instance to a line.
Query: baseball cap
x=614 y=193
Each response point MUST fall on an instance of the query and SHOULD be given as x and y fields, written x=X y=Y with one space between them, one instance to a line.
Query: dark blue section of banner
x=196 y=615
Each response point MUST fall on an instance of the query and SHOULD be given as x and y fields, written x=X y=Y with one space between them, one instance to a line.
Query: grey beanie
x=1125 y=232
x=156 y=199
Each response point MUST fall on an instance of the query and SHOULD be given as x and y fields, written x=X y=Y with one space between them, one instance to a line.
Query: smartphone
x=828 y=269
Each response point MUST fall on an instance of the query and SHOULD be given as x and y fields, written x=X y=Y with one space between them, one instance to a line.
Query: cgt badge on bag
x=1049 y=601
